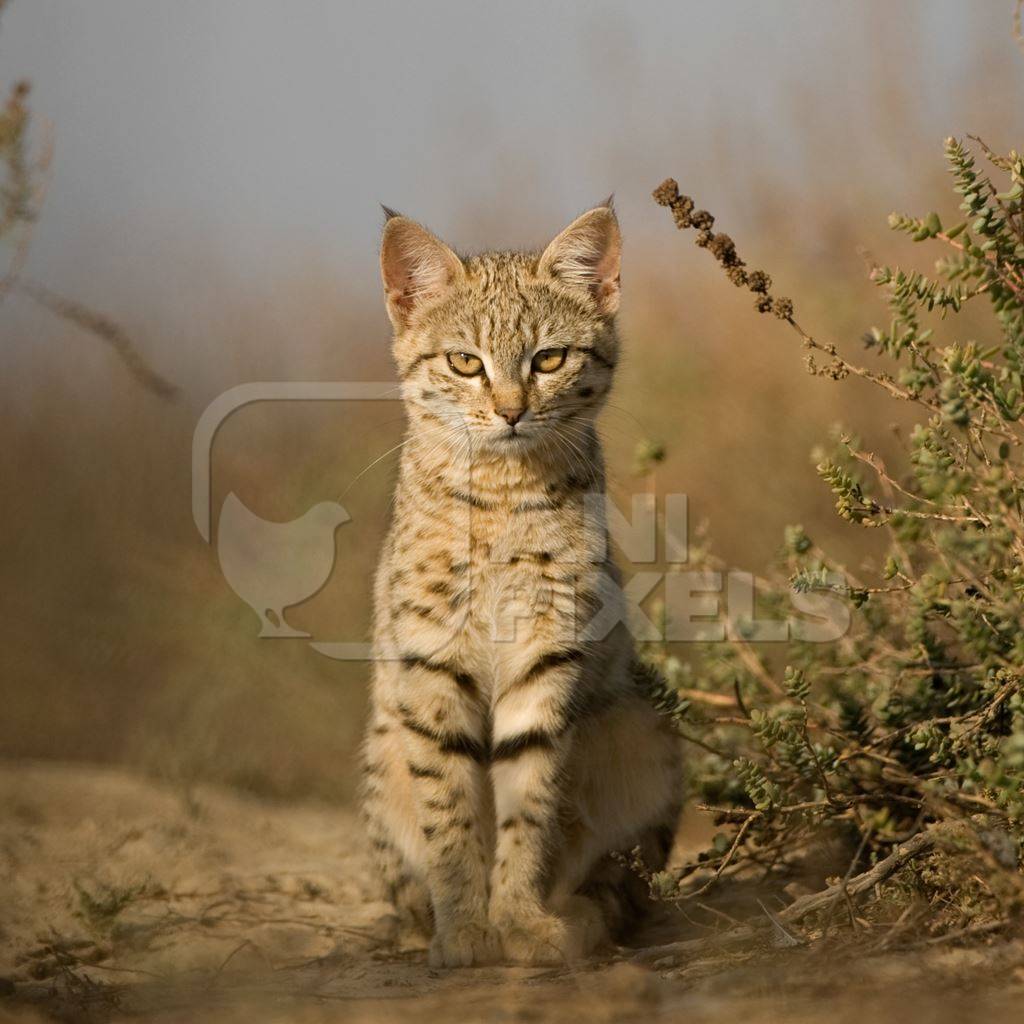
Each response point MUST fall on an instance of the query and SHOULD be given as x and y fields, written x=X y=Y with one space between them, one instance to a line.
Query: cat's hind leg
x=625 y=794
x=615 y=887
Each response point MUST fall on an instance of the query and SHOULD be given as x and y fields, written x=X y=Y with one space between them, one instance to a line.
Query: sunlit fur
x=508 y=754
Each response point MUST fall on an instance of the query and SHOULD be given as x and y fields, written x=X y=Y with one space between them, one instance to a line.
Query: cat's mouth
x=514 y=437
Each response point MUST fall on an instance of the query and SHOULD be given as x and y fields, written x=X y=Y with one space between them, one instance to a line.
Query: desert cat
x=508 y=751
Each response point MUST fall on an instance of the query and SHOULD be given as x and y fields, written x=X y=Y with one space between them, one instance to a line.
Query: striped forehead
x=509 y=311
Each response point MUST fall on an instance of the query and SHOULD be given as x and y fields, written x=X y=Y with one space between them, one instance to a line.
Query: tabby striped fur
x=508 y=754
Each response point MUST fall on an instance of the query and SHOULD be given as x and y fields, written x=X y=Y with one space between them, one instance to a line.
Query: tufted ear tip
x=416 y=267
x=586 y=256
x=389 y=214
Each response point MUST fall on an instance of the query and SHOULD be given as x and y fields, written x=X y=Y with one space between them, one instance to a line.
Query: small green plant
x=102 y=906
x=914 y=718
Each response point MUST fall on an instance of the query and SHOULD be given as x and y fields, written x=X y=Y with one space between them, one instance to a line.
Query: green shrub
x=915 y=717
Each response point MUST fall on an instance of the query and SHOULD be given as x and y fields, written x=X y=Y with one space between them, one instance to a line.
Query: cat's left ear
x=587 y=255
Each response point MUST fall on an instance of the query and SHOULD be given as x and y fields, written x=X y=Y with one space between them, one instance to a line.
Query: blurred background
x=214 y=189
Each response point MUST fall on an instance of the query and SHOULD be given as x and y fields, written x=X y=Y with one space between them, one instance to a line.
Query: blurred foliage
x=20 y=178
x=16 y=190
x=915 y=717
x=22 y=190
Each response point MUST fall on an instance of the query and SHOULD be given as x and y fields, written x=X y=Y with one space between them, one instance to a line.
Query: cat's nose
x=511 y=414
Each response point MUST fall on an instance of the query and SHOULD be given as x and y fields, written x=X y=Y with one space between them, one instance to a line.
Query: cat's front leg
x=533 y=731
x=444 y=732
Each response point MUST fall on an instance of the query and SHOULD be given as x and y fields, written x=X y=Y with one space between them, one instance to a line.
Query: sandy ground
x=123 y=899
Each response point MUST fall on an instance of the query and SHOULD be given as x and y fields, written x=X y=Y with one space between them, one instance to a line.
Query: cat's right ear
x=416 y=267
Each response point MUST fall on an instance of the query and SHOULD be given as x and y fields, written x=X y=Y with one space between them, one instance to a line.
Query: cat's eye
x=464 y=364
x=547 y=360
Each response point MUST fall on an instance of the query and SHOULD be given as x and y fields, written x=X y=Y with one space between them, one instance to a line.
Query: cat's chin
x=508 y=443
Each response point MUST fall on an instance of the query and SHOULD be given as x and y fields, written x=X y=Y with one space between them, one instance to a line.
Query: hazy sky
x=251 y=133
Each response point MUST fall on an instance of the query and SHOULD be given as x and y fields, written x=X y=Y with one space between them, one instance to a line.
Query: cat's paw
x=464 y=945
x=539 y=938
x=587 y=923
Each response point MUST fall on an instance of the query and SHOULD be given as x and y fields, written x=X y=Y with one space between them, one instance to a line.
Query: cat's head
x=516 y=349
